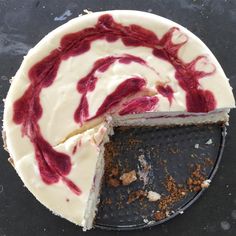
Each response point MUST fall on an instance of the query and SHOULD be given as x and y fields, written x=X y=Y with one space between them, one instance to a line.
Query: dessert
x=98 y=71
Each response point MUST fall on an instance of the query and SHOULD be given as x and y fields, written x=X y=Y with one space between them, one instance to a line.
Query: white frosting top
x=60 y=100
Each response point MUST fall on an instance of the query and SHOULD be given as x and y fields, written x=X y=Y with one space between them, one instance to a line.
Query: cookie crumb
x=153 y=196
x=159 y=215
x=196 y=179
x=206 y=183
x=128 y=178
x=139 y=194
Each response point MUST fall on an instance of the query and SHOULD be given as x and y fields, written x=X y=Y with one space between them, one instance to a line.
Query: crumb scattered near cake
x=209 y=142
x=112 y=177
x=128 y=178
x=181 y=212
x=145 y=221
x=206 y=183
x=196 y=146
x=176 y=193
x=196 y=179
x=139 y=194
x=167 y=213
x=153 y=196
x=159 y=215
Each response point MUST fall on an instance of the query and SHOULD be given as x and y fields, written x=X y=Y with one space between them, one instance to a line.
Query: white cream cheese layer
x=84 y=150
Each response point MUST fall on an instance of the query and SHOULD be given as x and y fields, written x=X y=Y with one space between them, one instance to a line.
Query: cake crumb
x=209 y=142
x=196 y=179
x=196 y=146
x=206 y=183
x=128 y=178
x=153 y=196
x=159 y=215
x=145 y=221
x=139 y=194
x=176 y=193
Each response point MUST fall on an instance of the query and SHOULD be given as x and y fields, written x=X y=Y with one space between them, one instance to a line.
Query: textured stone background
x=24 y=23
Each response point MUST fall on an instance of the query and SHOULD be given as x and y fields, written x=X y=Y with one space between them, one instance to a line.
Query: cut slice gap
x=114 y=212
x=147 y=119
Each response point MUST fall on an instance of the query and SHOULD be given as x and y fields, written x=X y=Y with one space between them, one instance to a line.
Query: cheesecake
x=95 y=72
